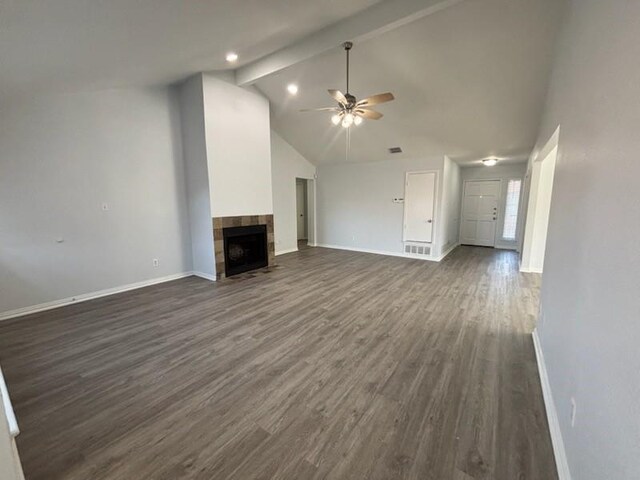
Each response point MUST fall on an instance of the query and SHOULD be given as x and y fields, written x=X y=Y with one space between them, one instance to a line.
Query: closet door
x=419 y=200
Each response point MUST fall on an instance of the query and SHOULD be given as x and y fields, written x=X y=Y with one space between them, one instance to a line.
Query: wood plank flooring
x=334 y=365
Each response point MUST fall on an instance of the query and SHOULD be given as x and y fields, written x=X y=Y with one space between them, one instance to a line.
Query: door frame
x=312 y=208
x=499 y=218
x=301 y=183
x=436 y=204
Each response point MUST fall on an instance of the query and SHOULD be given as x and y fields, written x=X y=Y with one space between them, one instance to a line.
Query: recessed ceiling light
x=489 y=162
x=232 y=57
x=292 y=88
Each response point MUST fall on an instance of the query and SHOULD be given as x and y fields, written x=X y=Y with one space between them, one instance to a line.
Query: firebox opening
x=245 y=248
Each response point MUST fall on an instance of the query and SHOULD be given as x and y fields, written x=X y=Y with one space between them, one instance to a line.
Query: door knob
x=429 y=221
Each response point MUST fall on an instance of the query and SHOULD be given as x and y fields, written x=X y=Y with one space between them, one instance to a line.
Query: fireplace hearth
x=245 y=248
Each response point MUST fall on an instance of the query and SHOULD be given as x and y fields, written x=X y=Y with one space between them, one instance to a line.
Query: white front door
x=480 y=213
x=419 y=198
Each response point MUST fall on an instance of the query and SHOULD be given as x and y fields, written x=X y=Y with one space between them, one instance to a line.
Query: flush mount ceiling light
x=489 y=162
x=349 y=110
x=232 y=57
x=292 y=88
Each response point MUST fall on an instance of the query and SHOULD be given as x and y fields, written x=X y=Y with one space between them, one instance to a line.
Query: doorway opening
x=305 y=212
x=539 y=207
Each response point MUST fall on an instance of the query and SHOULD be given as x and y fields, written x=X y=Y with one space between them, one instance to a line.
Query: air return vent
x=417 y=250
x=395 y=150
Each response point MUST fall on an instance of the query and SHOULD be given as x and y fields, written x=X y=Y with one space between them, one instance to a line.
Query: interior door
x=419 y=198
x=301 y=200
x=480 y=213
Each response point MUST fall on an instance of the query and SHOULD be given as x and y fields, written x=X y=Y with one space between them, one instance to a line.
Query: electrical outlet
x=573 y=412
x=156 y=262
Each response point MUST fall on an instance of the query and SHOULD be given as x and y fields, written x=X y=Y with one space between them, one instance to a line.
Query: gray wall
x=61 y=157
x=355 y=207
x=287 y=165
x=590 y=330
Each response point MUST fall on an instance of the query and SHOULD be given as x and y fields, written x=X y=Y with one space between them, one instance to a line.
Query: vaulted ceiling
x=70 y=45
x=469 y=79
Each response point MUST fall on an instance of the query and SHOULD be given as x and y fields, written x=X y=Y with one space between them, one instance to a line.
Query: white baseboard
x=562 y=463
x=506 y=247
x=19 y=312
x=206 y=276
x=380 y=252
x=289 y=250
x=447 y=252
x=8 y=408
x=530 y=270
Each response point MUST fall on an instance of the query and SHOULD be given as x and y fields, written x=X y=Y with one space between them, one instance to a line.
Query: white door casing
x=419 y=202
x=480 y=212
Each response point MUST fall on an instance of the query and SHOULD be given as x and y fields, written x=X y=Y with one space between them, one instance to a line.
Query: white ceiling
x=71 y=45
x=469 y=81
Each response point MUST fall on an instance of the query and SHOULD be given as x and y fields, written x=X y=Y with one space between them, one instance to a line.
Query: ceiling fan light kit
x=350 y=111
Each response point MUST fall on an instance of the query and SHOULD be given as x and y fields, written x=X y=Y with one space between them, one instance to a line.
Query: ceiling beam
x=375 y=20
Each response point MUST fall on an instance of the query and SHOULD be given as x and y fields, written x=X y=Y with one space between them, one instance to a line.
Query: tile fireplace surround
x=241 y=221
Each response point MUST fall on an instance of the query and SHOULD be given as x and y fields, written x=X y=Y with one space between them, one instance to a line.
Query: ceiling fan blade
x=375 y=99
x=324 y=109
x=338 y=96
x=368 y=114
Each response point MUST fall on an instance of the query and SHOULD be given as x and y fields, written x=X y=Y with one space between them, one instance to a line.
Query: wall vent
x=395 y=150
x=417 y=250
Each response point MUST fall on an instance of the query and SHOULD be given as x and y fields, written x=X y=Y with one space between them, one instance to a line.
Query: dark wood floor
x=335 y=365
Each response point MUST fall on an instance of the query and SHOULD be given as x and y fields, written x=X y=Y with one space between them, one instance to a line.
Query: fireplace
x=245 y=248
x=234 y=225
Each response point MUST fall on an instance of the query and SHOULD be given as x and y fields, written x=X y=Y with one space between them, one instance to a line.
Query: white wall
x=355 y=207
x=60 y=158
x=451 y=198
x=538 y=210
x=287 y=165
x=503 y=173
x=238 y=139
x=589 y=328
x=197 y=176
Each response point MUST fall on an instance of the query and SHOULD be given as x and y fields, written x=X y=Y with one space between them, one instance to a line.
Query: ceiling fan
x=350 y=111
